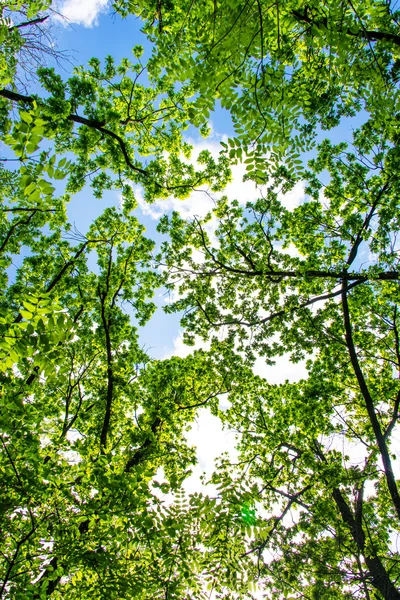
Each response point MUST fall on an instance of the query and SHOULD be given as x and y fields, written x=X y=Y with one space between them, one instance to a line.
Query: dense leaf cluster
x=93 y=432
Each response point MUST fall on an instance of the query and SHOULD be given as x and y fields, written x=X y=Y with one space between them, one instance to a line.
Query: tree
x=87 y=419
x=320 y=282
x=283 y=69
x=27 y=41
x=91 y=427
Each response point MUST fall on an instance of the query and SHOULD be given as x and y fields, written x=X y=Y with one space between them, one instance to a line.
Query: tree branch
x=379 y=437
x=92 y=123
x=370 y=36
x=141 y=453
x=28 y=23
x=380 y=578
x=110 y=374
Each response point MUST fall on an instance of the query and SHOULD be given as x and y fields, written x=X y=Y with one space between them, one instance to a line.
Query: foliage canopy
x=93 y=432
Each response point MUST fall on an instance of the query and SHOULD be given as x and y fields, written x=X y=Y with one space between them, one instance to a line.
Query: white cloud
x=211 y=440
x=200 y=202
x=179 y=348
x=283 y=370
x=207 y=433
x=295 y=197
x=80 y=12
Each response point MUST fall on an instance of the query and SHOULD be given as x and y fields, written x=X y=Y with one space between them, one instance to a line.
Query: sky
x=87 y=28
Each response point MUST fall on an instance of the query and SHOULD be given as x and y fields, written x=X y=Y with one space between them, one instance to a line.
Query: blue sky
x=93 y=30
x=108 y=34
x=90 y=28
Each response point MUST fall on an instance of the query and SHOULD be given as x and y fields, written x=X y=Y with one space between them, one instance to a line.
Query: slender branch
x=14 y=226
x=379 y=575
x=227 y=32
x=379 y=436
x=14 y=468
x=99 y=126
x=67 y=265
x=396 y=337
x=395 y=416
x=279 y=313
x=293 y=499
x=311 y=273
x=29 y=209
x=110 y=374
x=371 y=36
x=28 y=23
x=365 y=225
x=13 y=561
x=92 y=123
